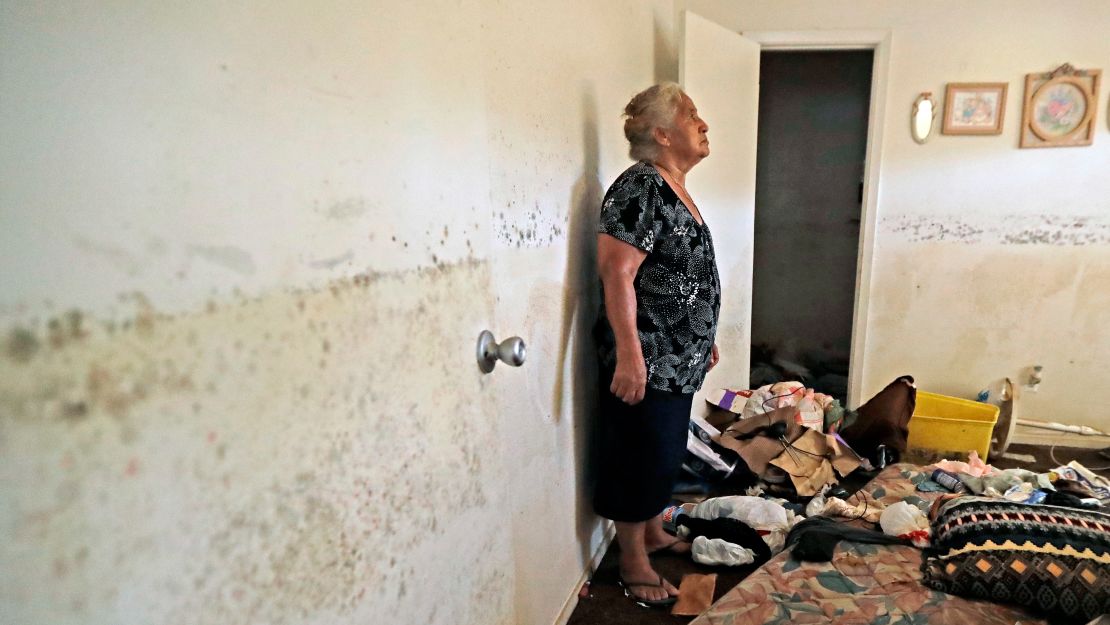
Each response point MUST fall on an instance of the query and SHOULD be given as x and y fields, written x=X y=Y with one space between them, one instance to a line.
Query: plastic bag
x=810 y=413
x=714 y=551
x=974 y=466
x=766 y=398
x=817 y=505
x=755 y=512
x=906 y=521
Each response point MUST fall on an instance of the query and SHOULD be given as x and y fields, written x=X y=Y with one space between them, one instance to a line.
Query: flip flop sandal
x=646 y=603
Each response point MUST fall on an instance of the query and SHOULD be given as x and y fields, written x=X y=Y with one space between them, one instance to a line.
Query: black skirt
x=641 y=452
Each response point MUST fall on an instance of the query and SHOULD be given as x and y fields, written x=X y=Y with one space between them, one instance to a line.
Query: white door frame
x=879 y=41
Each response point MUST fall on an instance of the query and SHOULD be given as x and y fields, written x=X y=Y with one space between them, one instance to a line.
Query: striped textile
x=1050 y=558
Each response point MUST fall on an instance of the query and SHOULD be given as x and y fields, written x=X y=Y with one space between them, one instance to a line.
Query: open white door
x=719 y=69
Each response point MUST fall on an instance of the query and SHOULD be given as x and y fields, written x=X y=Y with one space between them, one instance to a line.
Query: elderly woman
x=661 y=299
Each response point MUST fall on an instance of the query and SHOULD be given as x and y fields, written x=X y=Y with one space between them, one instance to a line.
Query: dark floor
x=607 y=604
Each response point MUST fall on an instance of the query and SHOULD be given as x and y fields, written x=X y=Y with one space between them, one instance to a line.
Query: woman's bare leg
x=635 y=567
x=655 y=537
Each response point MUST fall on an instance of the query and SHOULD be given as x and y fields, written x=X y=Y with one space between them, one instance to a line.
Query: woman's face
x=688 y=138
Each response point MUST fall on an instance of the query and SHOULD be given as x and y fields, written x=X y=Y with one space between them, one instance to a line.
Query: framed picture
x=1060 y=108
x=974 y=108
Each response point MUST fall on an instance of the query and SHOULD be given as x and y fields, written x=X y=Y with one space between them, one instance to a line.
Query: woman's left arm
x=714 y=357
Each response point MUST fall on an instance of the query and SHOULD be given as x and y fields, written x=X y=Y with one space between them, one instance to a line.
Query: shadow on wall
x=664 y=54
x=580 y=306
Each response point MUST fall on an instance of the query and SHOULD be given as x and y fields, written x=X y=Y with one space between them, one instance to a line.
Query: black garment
x=642 y=448
x=816 y=538
x=678 y=291
x=1067 y=500
x=729 y=530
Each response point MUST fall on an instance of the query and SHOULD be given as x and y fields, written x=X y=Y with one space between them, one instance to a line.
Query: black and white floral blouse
x=678 y=291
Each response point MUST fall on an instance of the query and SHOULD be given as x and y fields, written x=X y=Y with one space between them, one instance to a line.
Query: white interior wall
x=988 y=258
x=246 y=253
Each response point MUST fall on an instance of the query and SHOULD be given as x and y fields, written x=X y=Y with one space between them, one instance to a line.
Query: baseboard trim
x=572 y=600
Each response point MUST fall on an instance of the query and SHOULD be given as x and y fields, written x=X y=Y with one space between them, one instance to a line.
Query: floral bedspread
x=863 y=584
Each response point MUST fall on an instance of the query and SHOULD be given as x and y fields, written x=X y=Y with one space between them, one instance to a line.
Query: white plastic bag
x=905 y=521
x=755 y=512
x=809 y=413
x=767 y=398
x=714 y=551
x=816 y=505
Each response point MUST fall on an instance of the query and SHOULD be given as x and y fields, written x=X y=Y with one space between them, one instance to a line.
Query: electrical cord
x=1052 y=454
x=793 y=392
x=865 y=505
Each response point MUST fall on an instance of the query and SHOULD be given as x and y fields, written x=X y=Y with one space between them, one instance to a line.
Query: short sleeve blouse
x=678 y=290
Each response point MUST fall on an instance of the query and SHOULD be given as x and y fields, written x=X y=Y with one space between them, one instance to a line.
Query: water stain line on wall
x=1004 y=229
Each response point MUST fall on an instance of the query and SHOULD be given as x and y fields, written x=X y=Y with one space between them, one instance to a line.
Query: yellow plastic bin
x=951 y=424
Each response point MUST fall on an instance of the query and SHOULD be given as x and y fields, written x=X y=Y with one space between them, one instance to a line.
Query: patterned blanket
x=1052 y=558
x=863 y=584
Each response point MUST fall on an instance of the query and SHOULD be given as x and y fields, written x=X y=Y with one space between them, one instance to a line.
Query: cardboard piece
x=728 y=399
x=759 y=450
x=812 y=462
x=695 y=594
x=719 y=418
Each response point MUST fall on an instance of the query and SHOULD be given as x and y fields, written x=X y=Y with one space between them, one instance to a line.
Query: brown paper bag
x=812 y=462
x=760 y=450
x=695 y=594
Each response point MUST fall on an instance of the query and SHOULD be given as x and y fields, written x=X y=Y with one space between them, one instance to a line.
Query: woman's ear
x=660 y=136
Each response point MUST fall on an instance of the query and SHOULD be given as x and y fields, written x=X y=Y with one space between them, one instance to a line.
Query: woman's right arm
x=617 y=263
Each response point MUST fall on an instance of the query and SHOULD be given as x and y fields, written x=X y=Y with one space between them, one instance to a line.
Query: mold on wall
x=278 y=459
x=291 y=229
x=1007 y=229
x=555 y=141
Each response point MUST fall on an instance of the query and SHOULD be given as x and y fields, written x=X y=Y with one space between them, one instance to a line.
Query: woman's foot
x=657 y=539
x=648 y=589
x=670 y=543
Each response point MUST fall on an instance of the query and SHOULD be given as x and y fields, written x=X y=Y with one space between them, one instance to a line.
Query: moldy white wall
x=247 y=250
x=988 y=258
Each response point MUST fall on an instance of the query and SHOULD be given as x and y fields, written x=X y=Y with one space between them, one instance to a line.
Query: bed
x=863 y=584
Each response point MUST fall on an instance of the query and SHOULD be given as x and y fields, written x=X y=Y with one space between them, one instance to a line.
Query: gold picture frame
x=1060 y=108
x=974 y=108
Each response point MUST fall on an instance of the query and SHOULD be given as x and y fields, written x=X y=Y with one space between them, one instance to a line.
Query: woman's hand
x=630 y=379
x=617 y=264
x=714 y=357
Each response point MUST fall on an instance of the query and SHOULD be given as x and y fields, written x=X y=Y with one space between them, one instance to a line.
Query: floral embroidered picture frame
x=1060 y=108
x=974 y=108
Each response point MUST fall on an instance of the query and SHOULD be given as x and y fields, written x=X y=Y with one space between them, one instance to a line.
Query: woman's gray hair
x=654 y=107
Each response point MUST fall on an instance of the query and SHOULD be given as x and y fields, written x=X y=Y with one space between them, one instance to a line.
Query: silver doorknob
x=511 y=351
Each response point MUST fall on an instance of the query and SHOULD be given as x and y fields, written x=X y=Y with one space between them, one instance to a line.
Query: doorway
x=810 y=162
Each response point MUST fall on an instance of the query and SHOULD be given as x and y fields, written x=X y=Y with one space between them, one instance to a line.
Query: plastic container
x=671 y=515
x=951 y=424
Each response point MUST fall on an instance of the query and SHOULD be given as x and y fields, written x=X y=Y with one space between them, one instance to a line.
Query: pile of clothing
x=734 y=530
